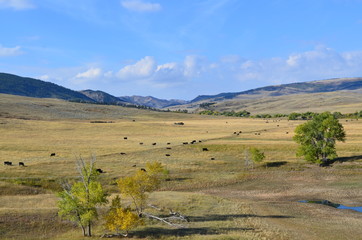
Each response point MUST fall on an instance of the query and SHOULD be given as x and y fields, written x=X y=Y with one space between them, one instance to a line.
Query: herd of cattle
x=8 y=163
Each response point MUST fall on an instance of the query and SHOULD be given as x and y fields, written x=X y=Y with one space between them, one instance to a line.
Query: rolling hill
x=30 y=87
x=103 y=97
x=153 y=102
x=340 y=94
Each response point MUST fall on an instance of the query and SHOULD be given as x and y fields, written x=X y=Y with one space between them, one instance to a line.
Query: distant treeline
x=292 y=116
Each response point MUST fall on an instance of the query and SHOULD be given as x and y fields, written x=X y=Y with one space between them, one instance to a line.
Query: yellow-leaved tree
x=120 y=218
x=143 y=182
x=137 y=188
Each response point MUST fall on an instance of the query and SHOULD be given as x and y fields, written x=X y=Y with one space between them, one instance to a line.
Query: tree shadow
x=231 y=216
x=275 y=164
x=157 y=232
x=347 y=159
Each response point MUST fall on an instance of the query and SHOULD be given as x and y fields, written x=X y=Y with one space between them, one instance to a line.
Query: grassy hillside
x=341 y=101
x=23 y=86
x=330 y=85
x=223 y=198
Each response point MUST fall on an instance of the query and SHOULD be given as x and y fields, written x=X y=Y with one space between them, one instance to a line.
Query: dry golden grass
x=223 y=199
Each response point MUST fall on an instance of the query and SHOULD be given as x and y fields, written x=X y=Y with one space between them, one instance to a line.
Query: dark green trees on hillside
x=317 y=137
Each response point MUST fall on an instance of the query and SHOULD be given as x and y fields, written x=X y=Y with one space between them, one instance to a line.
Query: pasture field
x=223 y=198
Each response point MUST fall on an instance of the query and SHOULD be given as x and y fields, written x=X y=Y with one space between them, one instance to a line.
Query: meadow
x=223 y=198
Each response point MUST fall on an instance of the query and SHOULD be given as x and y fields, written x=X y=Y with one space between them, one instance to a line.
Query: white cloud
x=44 y=77
x=91 y=73
x=140 y=70
x=140 y=6
x=17 y=4
x=5 y=52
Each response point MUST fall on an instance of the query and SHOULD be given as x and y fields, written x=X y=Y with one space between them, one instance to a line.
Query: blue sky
x=180 y=49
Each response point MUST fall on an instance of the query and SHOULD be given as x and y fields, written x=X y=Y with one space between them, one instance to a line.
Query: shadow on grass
x=348 y=159
x=182 y=232
x=275 y=164
x=231 y=216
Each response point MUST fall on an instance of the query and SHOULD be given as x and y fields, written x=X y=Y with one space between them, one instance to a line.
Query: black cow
x=123 y=153
x=168 y=143
x=125 y=138
x=21 y=164
x=154 y=144
x=168 y=148
x=142 y=169
x=167 y=155
x=99 y=170
x=212 y=158
x=52 y=154
x=8 y=163
x=134 y=165
x=205 y=149
x=141 y=143
x=185 y=143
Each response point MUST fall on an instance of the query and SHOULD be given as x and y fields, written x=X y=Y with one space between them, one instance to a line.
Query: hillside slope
x=30 y=87
x=103 y=97
x=153 y=102
x=346 y=101
x=321 y=86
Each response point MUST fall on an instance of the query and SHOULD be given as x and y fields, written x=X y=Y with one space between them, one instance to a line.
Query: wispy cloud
x=6 y=52
x=141 y=6
x=17 y=4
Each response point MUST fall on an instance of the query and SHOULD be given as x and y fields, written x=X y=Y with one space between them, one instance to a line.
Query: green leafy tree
x=78 y=202
x=317 y=137
x=256 y=155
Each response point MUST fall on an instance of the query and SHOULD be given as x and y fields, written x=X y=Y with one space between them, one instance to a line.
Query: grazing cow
x=205 y=149
x=123 y=153
x=200 y=141
x=154 y=144
x=134 y=165
x=8 y=163
x=52 y=154
x=185 y=143
x=125 y=138
x=21 y=164
x=168 y=143
x=212 y=158
x=168 y=148
x=141 y=143
x=142 y=169
x=99 y=170
x=234 y=132
x=167 y=155
x=240 y=131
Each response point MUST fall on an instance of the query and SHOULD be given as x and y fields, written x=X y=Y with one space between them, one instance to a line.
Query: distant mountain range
x=16 y=85
x=152 y=101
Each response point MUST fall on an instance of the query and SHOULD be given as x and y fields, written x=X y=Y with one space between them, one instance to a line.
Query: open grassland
x=223 y=198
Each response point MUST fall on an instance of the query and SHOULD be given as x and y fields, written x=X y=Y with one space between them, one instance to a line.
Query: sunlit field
x=223 y=198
